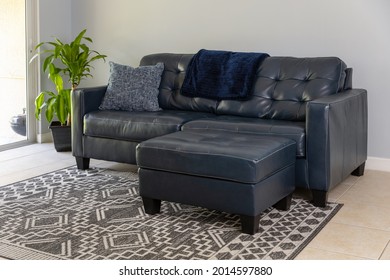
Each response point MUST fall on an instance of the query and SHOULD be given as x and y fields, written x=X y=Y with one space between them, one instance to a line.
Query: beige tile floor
x=360 y=230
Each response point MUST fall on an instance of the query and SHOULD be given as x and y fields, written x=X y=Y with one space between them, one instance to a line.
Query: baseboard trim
x=375 y=163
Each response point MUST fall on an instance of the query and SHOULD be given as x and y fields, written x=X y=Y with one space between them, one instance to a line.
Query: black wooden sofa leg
x=319 y=198
x=250 y=224
x=152 y=206
x=82 y=163
x=359 y=171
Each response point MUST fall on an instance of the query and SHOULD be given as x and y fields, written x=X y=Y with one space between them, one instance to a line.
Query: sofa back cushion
x=283 y=86
x=172 y=79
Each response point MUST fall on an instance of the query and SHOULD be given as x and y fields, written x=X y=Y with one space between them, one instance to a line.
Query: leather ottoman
x=242 y=174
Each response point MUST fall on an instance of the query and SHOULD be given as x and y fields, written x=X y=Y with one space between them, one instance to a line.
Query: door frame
x=32 y=69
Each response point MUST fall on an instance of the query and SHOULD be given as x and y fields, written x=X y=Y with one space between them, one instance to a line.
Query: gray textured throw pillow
x=133 y=89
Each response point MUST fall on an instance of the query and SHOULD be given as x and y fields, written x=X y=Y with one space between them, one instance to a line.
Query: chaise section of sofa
x=308 y=100
x=113 y=135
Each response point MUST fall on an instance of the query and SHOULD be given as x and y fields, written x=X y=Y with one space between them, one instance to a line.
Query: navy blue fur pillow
x=221 y=74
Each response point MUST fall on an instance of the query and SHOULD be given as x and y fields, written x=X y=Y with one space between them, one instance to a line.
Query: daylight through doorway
x=13 y=124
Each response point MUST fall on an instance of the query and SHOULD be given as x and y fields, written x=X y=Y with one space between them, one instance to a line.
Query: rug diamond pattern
x=98 y=214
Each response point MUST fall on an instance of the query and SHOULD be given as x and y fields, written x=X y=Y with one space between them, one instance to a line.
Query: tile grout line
x=384 y=249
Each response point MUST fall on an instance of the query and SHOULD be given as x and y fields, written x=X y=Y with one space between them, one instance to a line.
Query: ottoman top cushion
x=229 y=156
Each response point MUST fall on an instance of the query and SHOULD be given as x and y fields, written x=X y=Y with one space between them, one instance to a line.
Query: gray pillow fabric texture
x=133 y=89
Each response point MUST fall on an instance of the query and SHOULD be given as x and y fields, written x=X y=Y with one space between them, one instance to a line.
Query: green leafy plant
x=56 y=103
x=72 y=60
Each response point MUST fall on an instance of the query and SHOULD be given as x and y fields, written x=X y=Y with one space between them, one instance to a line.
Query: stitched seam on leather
x=217 y=154
x=339 y=79
x=138 y=122
x=352 y=95
x=239 y=131
x=276 y=172
x=220 y=177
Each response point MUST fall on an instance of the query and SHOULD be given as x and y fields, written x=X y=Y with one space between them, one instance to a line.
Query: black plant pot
x=62 y=137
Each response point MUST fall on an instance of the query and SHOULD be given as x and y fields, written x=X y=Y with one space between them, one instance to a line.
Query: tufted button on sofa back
x=172 y=79
x=284 y=85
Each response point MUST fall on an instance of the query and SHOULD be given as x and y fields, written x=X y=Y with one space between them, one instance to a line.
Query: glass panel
x=12 y=71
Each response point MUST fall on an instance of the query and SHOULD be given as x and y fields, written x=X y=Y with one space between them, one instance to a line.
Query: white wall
x=54 y=21
x=358 y=31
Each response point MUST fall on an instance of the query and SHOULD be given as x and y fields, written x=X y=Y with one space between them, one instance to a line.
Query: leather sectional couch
x=308 y=100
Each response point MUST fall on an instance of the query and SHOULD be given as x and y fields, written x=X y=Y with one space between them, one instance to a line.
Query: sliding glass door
x=12 y=72
x=15 y=107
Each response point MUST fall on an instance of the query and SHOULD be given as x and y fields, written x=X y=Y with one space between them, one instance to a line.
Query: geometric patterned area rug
x=97 y=214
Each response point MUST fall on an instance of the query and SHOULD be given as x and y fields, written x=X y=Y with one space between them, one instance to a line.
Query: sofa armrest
x=84 y=100
x=336 y=127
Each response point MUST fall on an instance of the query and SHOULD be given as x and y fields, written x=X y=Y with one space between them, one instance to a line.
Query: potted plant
x=72 y=60
x=58 y=104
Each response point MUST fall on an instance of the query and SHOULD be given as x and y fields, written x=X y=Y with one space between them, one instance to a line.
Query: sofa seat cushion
x=136 y=126
x=217 y=154
x=287 y=129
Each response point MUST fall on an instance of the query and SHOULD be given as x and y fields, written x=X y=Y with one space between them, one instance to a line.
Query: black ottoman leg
x=284 y=204
x=152 y=206
x=250 y=224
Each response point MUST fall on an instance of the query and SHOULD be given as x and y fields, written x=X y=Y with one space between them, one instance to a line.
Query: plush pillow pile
x=133 y=89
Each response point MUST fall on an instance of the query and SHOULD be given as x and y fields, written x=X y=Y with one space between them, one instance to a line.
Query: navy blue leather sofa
x=308 y=100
